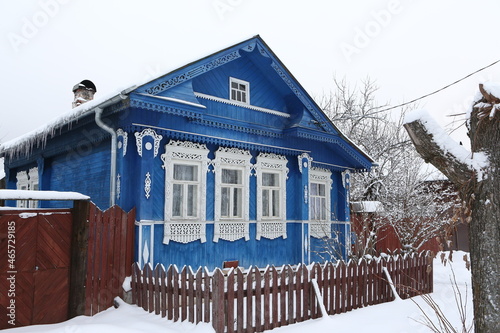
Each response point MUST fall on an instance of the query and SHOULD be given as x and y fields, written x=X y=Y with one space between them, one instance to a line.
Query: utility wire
x=441 y=89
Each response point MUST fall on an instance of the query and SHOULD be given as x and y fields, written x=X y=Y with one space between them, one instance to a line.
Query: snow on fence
x=256 y=300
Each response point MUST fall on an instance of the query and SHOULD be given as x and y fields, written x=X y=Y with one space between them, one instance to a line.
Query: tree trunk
x=479 y=188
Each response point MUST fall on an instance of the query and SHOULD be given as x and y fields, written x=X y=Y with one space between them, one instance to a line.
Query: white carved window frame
x=22 y=184
x=271 y=227
x=27 y=181
x=185 y=230
x=232 y=229
x=321 y=228
x=33 y=185
x=237 y=94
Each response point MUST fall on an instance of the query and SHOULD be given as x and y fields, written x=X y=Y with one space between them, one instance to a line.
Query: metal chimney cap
x=85 y=84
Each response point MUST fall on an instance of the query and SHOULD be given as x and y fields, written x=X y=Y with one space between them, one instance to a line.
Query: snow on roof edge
x=38 y=137
x=41 y=195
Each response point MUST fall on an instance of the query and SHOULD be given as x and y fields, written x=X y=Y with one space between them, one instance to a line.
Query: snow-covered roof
x=367 y=207
x=41 y=195
x=39 y=136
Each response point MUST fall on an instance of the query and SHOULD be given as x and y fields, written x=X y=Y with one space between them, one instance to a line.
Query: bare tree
x=477 y=177
x=397 y=181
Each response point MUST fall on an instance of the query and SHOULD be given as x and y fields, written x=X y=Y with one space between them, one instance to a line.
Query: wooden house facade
x=226 y=159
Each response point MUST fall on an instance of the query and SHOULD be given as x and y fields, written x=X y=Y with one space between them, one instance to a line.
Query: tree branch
x=457 y=171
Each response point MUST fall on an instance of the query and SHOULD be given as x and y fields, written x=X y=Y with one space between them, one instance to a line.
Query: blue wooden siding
x=86 y=173
x=253 y=252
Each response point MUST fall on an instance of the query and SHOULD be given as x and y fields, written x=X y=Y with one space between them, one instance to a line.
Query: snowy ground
x=398 y=316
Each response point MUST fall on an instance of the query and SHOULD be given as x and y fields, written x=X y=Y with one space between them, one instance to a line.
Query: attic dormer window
x=239 y=90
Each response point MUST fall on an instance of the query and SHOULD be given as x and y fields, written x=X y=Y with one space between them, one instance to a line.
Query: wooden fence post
x=78 y=269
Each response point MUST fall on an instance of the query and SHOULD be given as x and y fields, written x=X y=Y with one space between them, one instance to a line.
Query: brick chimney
x=84 y=92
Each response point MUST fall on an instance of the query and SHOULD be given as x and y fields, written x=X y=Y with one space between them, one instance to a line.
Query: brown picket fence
x=256 y=300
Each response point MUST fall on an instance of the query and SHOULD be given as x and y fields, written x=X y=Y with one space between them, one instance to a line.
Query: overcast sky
x=410 y=48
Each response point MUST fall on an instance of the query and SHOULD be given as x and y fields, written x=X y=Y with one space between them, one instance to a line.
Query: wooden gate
x=59 y=263
x=34 y=266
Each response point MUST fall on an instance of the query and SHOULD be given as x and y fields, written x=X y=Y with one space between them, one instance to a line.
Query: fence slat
x=157 y=293
x=249 y=294
x=199 y=295
x=267 y=299
x=163 y=291
x=218 y=302
x=258 y=300
x=274 y=291
x=230 y=301
x=239 y=303
x=170 y=292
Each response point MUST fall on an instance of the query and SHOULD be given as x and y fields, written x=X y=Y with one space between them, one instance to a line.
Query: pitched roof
x=38 y=137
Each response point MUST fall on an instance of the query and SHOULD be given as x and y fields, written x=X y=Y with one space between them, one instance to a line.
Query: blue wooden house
x=225 y=159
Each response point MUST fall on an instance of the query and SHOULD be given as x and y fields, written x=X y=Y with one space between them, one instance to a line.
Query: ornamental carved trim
x=120 y=133
x=184 y=232
x=148 y=132
x=304 y=164
x=297 y=92
x=186 y=76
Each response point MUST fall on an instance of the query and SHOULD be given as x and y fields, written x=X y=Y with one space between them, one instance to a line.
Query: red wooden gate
x=34 y=266
x=50 y=272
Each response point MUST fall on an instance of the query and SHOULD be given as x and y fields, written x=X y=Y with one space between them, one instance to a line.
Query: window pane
x=276 y=203
x=185 y=172
x=192 y=200
x=234 y=85
x=231 y=176
x=224 y=210
x=323 y=209
x=237 y=202
x=270 y=179
x=314 y=189
x=243 y=98
x=243 y=87
x=321 y=190
x=265 y=203
x=177 y=200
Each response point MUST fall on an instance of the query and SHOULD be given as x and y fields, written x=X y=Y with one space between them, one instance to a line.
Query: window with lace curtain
x=232 y=191
x=271 y=172
x=27 y=180
x=185 y=191
x=186 y=165
x=319 y=195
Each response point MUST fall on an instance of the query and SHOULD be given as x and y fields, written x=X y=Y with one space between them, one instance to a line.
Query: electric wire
x=436 y=91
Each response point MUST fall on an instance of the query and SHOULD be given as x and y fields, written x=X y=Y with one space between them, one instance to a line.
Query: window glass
x=232 y=193
x=239 y=90
x=318 y=203
x=185 y=172
x=231 y=176
x=185 y=191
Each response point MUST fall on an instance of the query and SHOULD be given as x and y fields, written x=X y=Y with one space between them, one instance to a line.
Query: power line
x=441 y=89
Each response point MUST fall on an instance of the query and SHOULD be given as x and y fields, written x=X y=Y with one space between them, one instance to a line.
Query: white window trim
x=190 y=229
x=321 y=176
x=271 y=227
x=22 y=184
x=232 y=229
x=245 y=83
x=26 y=180
x=33 y=180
